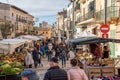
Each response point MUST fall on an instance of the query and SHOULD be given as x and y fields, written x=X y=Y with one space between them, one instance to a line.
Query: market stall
x=94 y=64
x=9 y=45
x=11 y=65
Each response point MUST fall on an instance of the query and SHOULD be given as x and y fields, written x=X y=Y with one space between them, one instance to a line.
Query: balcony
x=77 y=7
x=113 y=12
x=87 y=16
x=99 y=15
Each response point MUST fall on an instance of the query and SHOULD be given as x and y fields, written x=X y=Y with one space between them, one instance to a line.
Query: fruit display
x=11 y=64
x=84 y=55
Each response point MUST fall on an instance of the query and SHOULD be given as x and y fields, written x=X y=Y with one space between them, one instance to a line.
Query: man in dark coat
x=54 y=72
x=35 y=55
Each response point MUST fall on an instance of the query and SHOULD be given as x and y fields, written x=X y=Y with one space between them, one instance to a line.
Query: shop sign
x=104 y=28
x=104 y=35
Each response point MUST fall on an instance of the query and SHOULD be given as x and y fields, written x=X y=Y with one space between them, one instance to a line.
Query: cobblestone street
x=42 y=70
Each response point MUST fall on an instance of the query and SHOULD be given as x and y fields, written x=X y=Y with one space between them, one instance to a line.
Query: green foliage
x=5 y=29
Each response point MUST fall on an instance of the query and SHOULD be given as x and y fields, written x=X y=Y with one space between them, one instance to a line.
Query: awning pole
x=105 y=11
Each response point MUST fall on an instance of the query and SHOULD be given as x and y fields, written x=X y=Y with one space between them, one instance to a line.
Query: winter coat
x=55 y=73
x=42 y=49
x=76 y=73
x=28 y=59
x=35 y=55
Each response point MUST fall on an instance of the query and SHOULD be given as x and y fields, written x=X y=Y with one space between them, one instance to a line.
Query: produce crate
x=109 y=62
x=108 y=71
x=94 y=72
x=98 y=71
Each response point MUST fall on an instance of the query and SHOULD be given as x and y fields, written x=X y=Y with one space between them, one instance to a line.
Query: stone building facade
x=21 y=21
x=44 y=29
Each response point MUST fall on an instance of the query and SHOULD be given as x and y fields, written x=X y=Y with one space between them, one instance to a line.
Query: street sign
x=74 y=30
x=104 y=35
x=104 y=28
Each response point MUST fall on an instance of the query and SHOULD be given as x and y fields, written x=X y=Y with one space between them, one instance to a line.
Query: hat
x=54 y=59
x=30 y=74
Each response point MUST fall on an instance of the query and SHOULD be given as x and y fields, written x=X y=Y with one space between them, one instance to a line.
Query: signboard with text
x=104 y=28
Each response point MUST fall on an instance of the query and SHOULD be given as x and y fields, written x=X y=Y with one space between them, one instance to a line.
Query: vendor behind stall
x=106 y=52
x=79 y=51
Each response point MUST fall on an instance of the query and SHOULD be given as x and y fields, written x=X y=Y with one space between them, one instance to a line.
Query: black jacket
x=55 y=73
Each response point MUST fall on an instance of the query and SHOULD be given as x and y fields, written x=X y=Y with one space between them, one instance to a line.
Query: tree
x=5 y=29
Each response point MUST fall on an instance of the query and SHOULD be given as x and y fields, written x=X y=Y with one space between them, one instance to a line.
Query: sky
x=45 y=10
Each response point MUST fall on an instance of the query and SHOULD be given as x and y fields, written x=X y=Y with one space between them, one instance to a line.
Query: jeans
x=35 y=63
x=49 y=57
x=63 y=61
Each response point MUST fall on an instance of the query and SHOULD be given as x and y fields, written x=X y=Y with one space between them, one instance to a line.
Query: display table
x=94 y=70
x=100 y=71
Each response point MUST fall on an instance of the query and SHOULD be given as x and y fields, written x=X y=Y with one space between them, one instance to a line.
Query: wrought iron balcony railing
x=87 y=16
x=112 y=12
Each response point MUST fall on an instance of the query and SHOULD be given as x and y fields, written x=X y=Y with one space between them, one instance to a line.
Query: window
x=83 y=11
x=12 y=14
x=91 y=6
x=16 y=17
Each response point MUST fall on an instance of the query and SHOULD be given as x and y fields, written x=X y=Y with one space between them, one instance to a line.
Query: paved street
x=41 y=70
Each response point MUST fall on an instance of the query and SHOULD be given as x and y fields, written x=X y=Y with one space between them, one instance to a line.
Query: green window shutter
x=112 y=8
x=112 y=45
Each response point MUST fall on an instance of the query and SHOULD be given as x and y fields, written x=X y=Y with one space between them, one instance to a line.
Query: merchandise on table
x=11 y=66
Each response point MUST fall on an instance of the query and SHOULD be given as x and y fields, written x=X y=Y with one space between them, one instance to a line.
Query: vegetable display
x=11 y=65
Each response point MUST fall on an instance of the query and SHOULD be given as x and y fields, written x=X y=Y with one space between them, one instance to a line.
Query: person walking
x=75 y=73
x=71 y=54
x=50 y=51
x=57 y=53
x=55 y=72
x=35 y=55
x=28 y=59
x=63 y=58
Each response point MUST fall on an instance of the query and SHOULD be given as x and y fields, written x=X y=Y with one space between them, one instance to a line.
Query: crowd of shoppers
x=54 y=52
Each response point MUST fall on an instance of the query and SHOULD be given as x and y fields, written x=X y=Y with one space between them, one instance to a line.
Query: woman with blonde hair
x=75 y=73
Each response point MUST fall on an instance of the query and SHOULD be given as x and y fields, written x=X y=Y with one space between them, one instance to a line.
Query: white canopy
x=41 y=37
x=30 y=37
x=85 y=33
x=9 y=45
